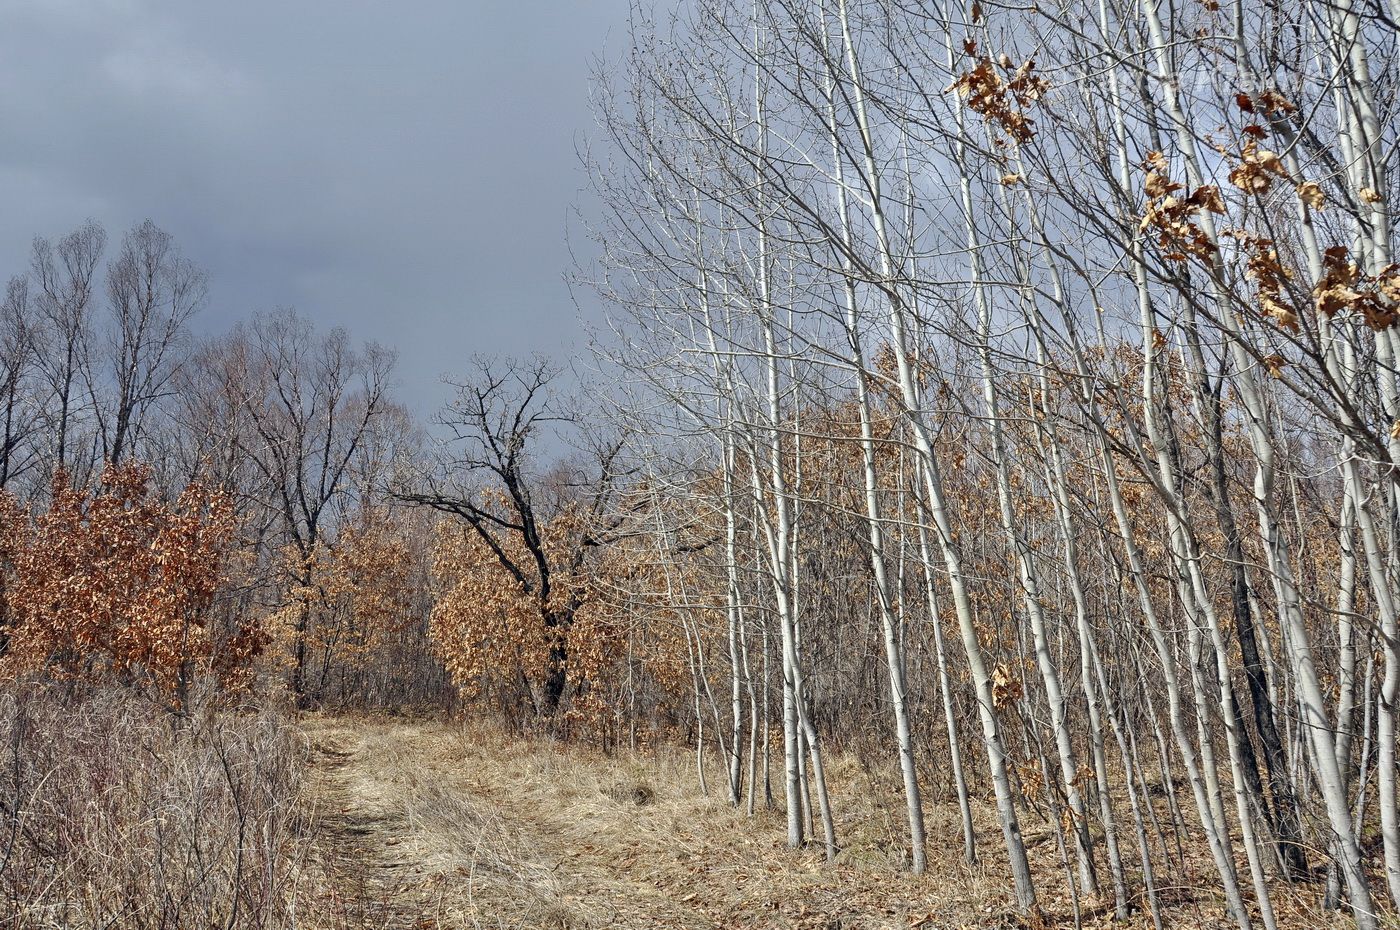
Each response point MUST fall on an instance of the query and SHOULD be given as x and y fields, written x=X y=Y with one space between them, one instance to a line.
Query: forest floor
x=422 y=824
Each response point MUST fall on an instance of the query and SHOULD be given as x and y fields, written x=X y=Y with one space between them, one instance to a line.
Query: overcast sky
x=404 y=170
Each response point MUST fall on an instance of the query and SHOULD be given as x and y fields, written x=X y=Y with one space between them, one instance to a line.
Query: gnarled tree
x=537 y=527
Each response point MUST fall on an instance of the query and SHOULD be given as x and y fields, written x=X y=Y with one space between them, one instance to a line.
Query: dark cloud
x=401 y=169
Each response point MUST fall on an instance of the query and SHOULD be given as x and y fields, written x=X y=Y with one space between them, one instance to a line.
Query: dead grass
x=468 y=828
x=117 y=816
x=113 y=813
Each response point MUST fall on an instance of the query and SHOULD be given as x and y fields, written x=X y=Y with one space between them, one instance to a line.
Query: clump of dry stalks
x=116 y=815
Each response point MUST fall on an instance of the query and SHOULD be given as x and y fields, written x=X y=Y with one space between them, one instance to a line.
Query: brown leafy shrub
x=116 y=584
x=357 y=605
x=512 y=640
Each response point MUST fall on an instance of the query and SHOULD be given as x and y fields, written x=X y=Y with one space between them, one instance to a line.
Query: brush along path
x=424 y=825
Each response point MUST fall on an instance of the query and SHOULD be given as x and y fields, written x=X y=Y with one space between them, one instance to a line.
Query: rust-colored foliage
x=1174 y=217
x=116 y=583
x=495 y=631
x=1001 y=92
x=1257 y=169
x=1263 y=267
x=1344 y=288
x=356 y=592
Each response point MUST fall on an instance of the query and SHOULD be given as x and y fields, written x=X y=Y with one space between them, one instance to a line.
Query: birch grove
x=998 y=419
x=1019 y=383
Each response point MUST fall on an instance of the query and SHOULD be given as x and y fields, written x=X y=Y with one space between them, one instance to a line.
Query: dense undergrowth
x=118 y=816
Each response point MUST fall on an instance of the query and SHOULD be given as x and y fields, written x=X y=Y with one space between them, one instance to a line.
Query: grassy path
x=422 y=825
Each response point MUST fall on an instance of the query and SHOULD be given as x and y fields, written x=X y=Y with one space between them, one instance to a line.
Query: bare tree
x=16 y=365
x=311 y=403
x=152 y=291
x=65 y=276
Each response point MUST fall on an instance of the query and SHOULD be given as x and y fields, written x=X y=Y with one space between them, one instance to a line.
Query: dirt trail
x=423 y=826
x=417 y=828
x=360 y=831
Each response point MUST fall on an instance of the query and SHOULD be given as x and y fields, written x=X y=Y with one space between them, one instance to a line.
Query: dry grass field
x=428 y=824
x=270 y=821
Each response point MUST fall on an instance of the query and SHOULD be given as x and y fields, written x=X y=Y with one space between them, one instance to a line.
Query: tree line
x=257 y=506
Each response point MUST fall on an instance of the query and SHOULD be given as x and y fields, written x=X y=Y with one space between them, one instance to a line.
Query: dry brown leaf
x=1311 y=194
x=1006 y=687
x=1274 y=102
x=1257 y=168
x=1207 y=198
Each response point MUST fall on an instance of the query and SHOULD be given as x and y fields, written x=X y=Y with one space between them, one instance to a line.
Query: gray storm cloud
x=403 y=170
